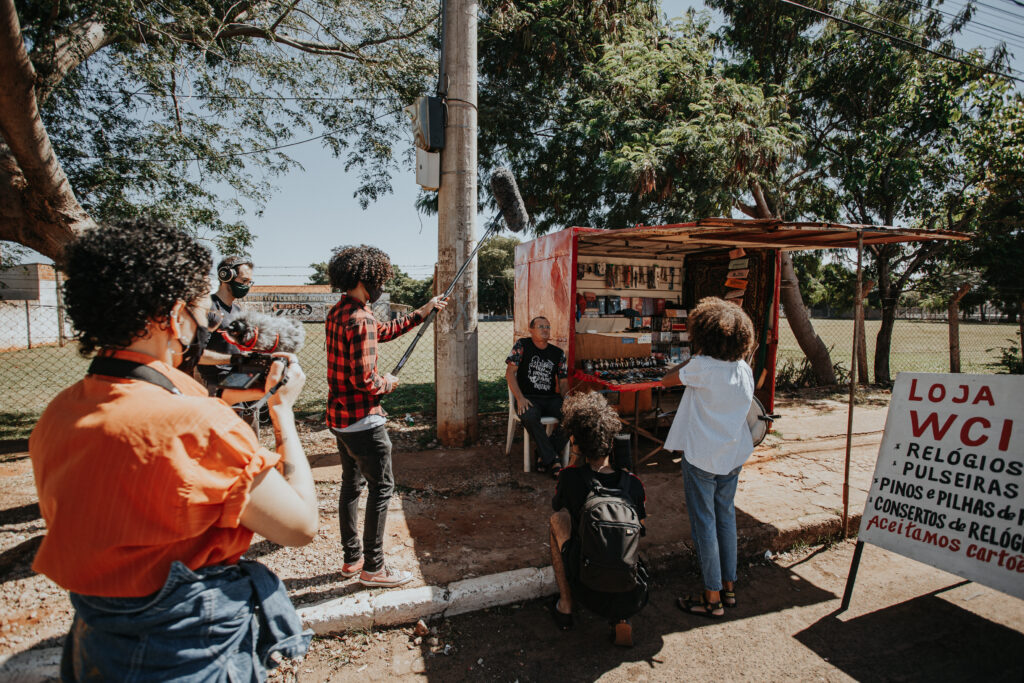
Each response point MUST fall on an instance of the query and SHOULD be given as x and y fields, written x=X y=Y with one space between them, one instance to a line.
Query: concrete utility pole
x=455 y=334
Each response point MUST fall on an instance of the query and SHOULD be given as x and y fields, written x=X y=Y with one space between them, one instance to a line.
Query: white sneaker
x=385 y=578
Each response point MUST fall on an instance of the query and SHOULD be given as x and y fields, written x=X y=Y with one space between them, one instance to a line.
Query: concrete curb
x=392 y=607
x=388 y=608
x=31 y=666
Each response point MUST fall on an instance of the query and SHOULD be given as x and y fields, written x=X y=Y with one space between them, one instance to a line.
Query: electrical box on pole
x=427 y=115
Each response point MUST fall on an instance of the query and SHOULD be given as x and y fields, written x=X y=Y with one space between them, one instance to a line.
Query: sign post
x=948 y=488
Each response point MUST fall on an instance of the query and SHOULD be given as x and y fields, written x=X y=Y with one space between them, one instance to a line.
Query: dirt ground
x=460 y=513
x=907 y=622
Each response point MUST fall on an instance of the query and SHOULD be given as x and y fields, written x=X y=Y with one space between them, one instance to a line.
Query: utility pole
x=455 y=334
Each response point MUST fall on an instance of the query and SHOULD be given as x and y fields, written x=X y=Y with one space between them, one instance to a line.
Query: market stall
x=617 y=300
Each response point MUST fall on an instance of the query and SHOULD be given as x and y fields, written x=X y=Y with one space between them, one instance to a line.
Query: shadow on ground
x=531 y=648
x=952 y=643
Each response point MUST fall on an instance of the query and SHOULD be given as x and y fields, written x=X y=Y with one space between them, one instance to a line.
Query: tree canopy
x=111 y=108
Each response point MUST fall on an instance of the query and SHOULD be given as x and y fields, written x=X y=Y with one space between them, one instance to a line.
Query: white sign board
x=948 y=488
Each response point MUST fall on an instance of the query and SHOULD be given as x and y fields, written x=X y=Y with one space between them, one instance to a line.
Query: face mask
x=238 y=290
x=374 y=294
x=194 y=349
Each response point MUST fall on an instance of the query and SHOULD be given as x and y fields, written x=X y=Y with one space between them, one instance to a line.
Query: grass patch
x=15 y=426
x=917 y=345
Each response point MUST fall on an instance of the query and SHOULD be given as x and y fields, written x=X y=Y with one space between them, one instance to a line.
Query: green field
x=917 y=346
x=30 y=378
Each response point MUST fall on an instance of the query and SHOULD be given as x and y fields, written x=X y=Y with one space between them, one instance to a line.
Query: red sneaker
x=350 y=570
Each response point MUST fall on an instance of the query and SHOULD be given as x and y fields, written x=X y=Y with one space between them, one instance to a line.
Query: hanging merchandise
x=737 y=264
x=737 y=253
x=650 y=277
x=734 y=295
x=735 y=283
x=742 y=273
x=579 y=271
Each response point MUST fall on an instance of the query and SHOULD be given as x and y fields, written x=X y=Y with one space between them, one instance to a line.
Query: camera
x=248 y=370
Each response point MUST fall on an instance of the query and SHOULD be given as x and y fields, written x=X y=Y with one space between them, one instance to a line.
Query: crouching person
x=596 y=529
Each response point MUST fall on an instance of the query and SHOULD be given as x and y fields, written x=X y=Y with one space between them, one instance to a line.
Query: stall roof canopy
x=710 y=233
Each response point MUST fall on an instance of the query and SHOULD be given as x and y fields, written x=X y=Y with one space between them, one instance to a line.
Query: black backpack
x=609 y=537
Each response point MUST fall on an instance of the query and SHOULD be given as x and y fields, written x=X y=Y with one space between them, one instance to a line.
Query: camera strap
x=127 y=369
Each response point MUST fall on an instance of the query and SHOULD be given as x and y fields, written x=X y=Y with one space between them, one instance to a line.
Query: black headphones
x=229 y=271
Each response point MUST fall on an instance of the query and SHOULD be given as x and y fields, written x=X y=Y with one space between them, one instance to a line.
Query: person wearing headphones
x=235 y=276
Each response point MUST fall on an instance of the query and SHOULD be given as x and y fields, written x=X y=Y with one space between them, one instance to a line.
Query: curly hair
x=591 y=422
x=123 y=275
x=351 y=265
x=720 y=329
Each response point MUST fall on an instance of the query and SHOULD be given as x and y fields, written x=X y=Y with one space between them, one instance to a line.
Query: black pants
x=548 y=448
x=365 y=459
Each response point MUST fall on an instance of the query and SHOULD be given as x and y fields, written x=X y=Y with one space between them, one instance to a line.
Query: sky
x=313 y=209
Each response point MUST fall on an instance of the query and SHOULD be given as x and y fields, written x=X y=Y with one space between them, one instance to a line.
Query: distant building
x=30 y=307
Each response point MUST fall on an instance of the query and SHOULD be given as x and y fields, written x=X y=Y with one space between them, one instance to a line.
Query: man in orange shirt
x=151 y=490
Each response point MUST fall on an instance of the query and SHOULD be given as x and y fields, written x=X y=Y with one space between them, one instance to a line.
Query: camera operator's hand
x=287 y=393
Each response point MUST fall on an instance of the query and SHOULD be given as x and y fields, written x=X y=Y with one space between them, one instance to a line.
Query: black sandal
x=562 y=620
x=555 y=468
x=707 y=609
x=728 y=598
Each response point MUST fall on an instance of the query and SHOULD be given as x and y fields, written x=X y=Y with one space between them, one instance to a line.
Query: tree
x=319 y=276
x=406 y=290
x=881 y=118
x=111 y=108
x=885 y=119
x=496 y=274
x=645 y=128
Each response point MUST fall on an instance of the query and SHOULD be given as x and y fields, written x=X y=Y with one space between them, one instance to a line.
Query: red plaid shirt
x=353 y=384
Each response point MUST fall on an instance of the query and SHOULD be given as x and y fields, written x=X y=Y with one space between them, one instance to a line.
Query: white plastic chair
x=513 y=419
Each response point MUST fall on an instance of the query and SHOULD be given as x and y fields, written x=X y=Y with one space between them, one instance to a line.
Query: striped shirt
x=353 y=384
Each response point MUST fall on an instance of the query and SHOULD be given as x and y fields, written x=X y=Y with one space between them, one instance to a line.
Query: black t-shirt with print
x=538 y=369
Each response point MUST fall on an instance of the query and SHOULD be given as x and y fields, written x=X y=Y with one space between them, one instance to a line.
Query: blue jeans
x=218 y=623
x=710 y=504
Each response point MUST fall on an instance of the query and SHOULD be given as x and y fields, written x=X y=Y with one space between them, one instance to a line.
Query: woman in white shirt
x=710 y=428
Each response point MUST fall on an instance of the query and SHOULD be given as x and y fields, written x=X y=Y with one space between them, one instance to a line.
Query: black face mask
x=194 y=351
x=374 y=294
x=238 y=290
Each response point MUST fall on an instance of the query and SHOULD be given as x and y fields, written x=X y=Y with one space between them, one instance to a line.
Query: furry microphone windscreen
x=510 y=202
x=254 y=331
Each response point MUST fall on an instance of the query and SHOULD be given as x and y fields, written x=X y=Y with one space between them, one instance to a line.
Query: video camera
x=249 y=370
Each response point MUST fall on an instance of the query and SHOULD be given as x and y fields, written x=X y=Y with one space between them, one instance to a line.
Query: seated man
x=597 y=565
x=537 y=376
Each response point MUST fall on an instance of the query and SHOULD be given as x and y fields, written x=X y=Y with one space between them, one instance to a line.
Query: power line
x=281 y=98
x=228 y=155
x=918 y=32
x=903 y=40
x=972 y=23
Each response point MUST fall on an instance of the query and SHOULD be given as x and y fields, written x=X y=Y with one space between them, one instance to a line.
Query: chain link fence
x=37 y=360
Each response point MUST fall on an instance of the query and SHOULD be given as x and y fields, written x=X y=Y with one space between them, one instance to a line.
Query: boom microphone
x=261 y=333
x=509 y=201
x=510 y=204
